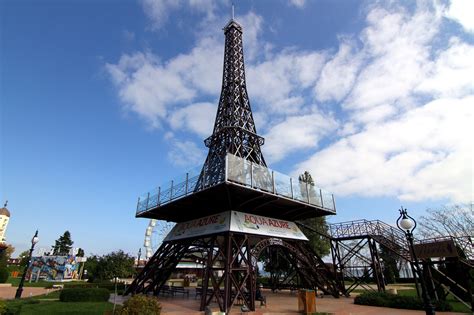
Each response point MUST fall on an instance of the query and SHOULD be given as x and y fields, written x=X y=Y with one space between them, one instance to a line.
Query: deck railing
x=243 y=172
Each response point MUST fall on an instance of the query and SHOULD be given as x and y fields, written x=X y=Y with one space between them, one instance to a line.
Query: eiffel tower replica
x=234 y=208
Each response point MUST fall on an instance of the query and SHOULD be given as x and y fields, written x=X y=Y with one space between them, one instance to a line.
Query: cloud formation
x=386 y=113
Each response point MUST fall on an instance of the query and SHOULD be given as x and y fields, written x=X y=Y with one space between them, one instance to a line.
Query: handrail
x=243 y=172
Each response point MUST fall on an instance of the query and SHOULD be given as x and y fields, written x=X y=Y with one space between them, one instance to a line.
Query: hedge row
x=84 y=295
x=396 y=301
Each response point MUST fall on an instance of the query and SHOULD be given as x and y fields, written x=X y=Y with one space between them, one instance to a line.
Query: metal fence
x=243 y=172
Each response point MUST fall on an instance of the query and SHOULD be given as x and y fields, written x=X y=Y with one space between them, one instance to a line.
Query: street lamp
x=407 y=224
x=138 y=258
x=34 y=240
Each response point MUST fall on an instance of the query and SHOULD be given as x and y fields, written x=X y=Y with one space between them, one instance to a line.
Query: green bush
x=140 y=305
x=84 y=295
x=4 y=275
x=105 y=285
x=396 y=301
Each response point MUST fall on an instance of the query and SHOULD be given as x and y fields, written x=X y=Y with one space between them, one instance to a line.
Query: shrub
x=140 y=305
x=3 y=275
x=84 y=295
x=110 y=286
x=396 y=301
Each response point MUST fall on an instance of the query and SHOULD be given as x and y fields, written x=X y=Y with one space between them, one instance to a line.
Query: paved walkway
x=283 y=303
x=9 y=292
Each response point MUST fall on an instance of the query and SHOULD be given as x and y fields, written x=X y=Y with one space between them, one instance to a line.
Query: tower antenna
x=232 y=10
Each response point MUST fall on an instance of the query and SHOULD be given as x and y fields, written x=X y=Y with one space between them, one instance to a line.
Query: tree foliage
x=24 y=257
x=115 y=264
x=4 y=256
x=317 y=226
x=455 y=220
x=390 y=269
x=80 y=252
x=63 y=244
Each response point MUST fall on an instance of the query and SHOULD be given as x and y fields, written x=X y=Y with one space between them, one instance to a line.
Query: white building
x=4 y=218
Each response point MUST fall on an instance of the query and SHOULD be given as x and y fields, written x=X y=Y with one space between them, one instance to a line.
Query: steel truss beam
x=231 y=264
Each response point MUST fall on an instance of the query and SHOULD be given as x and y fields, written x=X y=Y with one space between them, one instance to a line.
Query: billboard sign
x=256 y=224
x=236 y=221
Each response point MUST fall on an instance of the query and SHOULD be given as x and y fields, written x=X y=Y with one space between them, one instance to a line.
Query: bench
x=180 y=290
x=210 y=291
x=166 y=290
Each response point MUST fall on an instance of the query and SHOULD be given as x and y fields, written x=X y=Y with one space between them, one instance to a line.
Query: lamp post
x=407 y=224
x=34 y=240
x=138 y=258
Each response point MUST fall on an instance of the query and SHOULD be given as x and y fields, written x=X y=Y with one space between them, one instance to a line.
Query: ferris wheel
x=155 y=233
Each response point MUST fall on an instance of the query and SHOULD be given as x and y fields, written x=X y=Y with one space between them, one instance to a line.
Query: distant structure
x=4 y=219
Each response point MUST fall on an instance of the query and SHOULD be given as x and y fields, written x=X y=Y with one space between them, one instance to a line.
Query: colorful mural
x=55 y=268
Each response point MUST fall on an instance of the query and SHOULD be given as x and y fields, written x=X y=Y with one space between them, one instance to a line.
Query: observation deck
x=246 y=187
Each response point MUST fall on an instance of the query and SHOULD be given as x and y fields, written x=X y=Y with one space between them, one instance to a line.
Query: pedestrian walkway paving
x=9 y=292
x=285 y=302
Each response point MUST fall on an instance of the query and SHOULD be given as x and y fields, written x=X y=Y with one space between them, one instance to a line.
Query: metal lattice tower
x=234 y=128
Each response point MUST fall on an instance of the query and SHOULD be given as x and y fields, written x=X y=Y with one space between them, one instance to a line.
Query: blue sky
x=102 y=101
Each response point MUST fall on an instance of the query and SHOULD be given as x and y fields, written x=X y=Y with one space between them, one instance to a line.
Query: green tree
x=91 y=265
x=63 y=244
x=4 y=255
x=390 y=269
x=317 y=227
x=24 y=255
x=115 y=264
x=80 y=252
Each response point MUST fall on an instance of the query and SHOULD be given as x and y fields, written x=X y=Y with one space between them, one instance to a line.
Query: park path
x=283 y=303
x=7 y=293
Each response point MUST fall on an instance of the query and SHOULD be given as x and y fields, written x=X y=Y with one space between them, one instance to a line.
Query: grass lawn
x=16 y=281
x=57 y=307
x=50 y=304
x=42 y=284
x=457 y=306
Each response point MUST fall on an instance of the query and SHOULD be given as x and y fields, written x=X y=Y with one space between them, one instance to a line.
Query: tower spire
x=234 y=129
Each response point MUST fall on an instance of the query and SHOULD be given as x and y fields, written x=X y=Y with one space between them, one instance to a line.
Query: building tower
x=4 y=219
x=235 y=208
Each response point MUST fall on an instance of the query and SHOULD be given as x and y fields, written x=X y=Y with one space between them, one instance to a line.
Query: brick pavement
x=9 y=292
x=286 y=303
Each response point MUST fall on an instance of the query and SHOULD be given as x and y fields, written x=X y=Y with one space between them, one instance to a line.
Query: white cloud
x=278 y=82
x=462 y=12
x=158 y=10
x=452 y=73
x=252 y=27
x=186 y=154
x=197 y=118
x=148 y=87
x=402 y=93
x=425 y=154
x=396 y=48
x=298 y=3
x=295 y=133
x=338 y=74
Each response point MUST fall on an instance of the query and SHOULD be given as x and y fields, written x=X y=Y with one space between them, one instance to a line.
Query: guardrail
x=245 y=173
